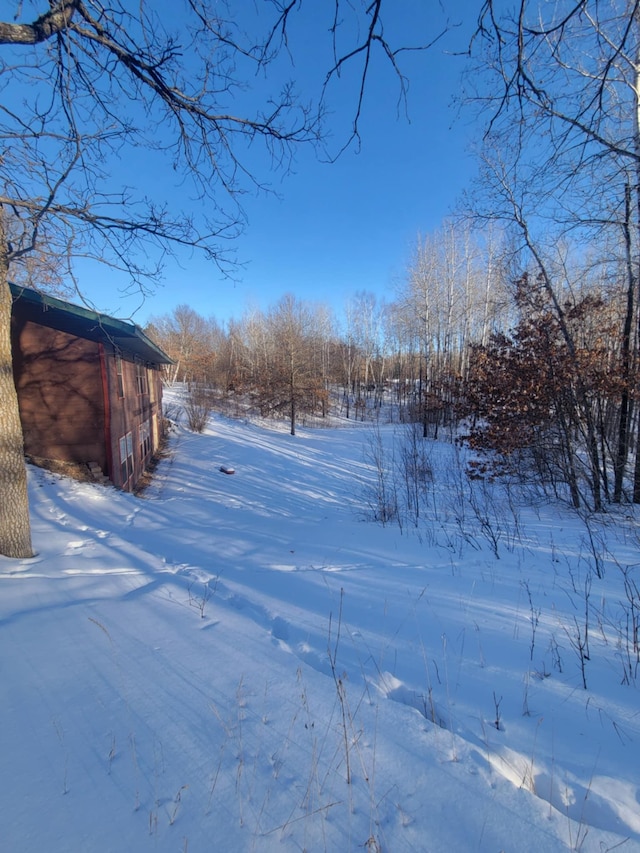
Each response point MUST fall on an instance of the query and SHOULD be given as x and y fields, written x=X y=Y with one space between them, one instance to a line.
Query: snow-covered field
x=242 y=662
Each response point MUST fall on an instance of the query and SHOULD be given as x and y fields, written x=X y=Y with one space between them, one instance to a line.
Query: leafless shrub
x=415 y=471
x=197 y=407
x=381 y=496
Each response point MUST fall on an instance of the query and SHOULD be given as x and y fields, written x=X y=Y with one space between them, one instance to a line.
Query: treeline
x=539 y=377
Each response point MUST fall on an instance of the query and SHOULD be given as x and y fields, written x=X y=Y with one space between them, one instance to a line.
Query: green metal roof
x=84 y=323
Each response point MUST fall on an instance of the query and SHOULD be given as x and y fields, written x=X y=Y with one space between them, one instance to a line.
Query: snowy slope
x=242 y=662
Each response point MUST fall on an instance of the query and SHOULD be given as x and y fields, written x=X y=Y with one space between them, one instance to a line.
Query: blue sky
x=330 y=230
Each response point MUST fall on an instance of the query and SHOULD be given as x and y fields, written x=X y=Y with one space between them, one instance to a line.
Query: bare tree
x=365 y=345
x=350 y=357
x=86 y=84
x=14 y=507
x=190 y=340
x=289 y=378
x=560 y=85
x=451 y=299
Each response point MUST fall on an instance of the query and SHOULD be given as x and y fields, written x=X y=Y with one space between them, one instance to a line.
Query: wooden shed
x=89 y=387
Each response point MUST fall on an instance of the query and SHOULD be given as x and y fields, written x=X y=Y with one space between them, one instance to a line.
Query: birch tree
x=449 y=301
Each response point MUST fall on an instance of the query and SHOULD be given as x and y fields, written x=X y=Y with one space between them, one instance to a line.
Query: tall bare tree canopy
x=195 y=86
x=558 y=86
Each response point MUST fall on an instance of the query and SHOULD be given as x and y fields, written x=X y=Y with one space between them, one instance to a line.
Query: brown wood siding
x=58 y=379
x=129 y=413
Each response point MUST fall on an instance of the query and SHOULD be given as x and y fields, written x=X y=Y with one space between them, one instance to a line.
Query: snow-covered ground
x=243 y=662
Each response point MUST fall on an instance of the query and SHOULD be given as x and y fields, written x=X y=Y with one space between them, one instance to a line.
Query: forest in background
x=517 y=322
x=542 y=385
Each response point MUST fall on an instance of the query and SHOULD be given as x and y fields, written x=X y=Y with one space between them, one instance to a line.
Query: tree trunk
x=636 y=473
x=292 y=391
x=15 y=528
x=620 y=462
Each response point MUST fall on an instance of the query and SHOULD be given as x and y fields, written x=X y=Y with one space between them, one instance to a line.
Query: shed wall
x=59 y=384
x=135 y=401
